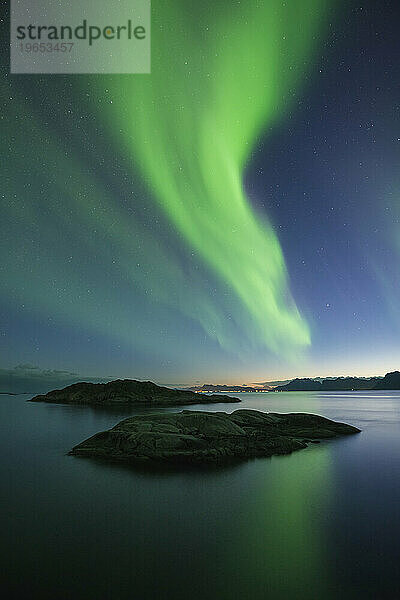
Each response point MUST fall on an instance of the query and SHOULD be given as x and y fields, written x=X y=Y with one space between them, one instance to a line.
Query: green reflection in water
x=278 y=548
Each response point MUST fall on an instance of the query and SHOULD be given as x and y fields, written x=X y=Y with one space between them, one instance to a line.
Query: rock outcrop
x=204 y=437
x=127 y=391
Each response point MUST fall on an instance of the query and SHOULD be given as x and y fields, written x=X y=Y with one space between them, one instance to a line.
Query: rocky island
x=127 y=392
x=193 y=437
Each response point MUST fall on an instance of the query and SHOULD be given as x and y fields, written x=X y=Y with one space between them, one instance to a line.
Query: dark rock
x=203 y=437
x=127 y=391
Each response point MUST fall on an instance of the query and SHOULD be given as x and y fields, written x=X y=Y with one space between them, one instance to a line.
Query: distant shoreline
x=391 y=381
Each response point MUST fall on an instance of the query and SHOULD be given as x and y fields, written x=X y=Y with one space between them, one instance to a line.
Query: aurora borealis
x=231 y=216
x=200 y=114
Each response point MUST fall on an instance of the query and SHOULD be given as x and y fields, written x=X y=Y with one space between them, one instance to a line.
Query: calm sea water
x=321 y=523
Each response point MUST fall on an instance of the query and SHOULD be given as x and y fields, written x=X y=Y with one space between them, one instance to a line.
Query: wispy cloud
x=32 y=379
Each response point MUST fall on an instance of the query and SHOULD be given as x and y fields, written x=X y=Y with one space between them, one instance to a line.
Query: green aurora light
x=220 y=78
x=190 y=275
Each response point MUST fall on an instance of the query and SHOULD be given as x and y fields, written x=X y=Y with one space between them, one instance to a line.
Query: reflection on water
x=283 y=521
x=320 y=523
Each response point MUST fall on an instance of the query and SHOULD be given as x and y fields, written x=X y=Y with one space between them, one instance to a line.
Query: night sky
x=232 y=217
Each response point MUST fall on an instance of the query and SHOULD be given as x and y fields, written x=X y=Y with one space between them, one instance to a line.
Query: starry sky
x=232 y=217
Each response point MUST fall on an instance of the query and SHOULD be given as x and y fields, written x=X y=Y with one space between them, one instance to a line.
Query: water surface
x=320 y=523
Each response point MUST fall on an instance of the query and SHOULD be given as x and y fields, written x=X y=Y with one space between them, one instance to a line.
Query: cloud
x=27 y=378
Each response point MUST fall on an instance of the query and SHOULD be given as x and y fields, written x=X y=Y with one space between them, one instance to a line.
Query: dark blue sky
x=330 y=179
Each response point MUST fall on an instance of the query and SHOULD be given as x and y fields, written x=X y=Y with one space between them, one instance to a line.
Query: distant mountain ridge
x=391 y=381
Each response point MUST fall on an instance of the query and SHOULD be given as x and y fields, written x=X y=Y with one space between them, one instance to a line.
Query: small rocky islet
x=196 y=438
x=128 y=392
